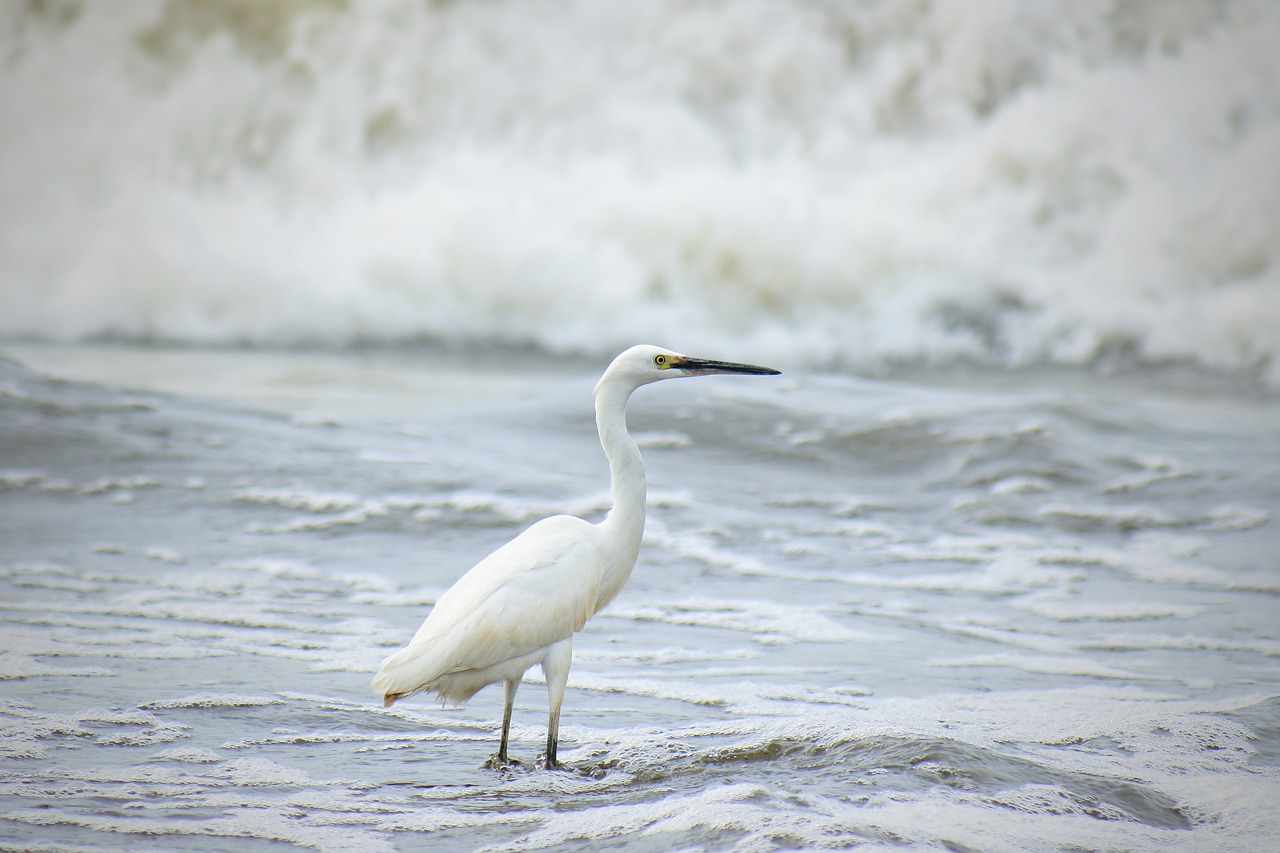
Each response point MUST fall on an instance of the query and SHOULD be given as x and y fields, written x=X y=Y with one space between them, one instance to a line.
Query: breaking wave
x=848 y=184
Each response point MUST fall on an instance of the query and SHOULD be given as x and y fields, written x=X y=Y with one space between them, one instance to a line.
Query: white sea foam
x=187 y=755
x=721 y=807
x=765 y=622
x=662 y=440
x=212 y=700
x=1101 y=611
x=1053 y=665
x=163 y=554
x=844 y=182
x=317 y=502
x=371 y=742
x=1158 y=568
x=57 y=641
x=103 y=485
x=28 y=732
x=1004 y=575
x=290 y=569
x=661 y=656
x=17 y=479
x=14 y=664
x=325 y=521
x=1141 y=517
x=1164 y=753
x=1175 y=770
x=1183 y=642
x=701 y=547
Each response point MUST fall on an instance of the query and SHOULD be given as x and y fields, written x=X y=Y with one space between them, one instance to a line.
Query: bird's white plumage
x=520 y=606
x=500 y=611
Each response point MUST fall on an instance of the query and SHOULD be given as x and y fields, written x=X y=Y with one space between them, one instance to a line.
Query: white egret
x=521 y=605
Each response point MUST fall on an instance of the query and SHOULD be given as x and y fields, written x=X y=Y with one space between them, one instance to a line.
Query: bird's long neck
x=625 y=522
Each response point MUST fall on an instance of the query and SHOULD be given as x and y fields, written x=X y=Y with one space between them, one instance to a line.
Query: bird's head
x=643 y=364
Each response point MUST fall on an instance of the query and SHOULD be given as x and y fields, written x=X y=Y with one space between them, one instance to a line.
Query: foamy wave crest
x=846 y=183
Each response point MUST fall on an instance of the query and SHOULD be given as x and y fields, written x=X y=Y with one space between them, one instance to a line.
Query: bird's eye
x=660 y=360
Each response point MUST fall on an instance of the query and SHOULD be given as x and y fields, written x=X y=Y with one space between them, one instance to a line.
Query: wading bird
x=521 y=605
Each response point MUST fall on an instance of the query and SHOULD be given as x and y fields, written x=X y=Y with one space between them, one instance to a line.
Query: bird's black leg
x=500 y=761
x=556 y=667
x=553 y=738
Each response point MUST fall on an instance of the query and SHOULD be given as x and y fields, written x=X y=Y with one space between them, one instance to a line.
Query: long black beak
x=704 y=366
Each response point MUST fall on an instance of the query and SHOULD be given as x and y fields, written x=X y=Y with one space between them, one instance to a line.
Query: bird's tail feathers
x=409 y=671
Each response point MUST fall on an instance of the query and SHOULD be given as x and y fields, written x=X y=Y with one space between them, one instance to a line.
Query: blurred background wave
x=841 y=183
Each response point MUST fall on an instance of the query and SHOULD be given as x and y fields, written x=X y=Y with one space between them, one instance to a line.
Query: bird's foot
x=501 y=762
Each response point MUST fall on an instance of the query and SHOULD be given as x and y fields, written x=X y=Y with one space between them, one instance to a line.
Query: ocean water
x=950 y=612
x=301 y=305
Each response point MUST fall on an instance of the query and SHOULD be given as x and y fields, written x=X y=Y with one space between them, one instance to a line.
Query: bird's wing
x=537 y=589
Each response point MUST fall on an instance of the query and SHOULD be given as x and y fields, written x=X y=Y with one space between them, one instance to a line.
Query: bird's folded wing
x=537 y=589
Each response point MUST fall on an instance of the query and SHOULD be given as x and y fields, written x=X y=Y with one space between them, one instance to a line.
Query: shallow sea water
x=936 y=612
